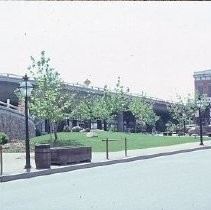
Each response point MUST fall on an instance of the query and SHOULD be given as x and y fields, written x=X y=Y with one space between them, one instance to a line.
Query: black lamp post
x=25 y=90
x=184 y=117
x=199 y=104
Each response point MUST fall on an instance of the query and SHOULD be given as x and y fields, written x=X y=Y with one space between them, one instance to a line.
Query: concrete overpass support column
x=105 y=125
x=74 y=123
x=99 y=124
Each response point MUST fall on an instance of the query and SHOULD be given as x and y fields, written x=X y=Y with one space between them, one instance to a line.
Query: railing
x=11 y=75
x=101 y=90
x=110 y=140
x=8 y=105
x=97 y=89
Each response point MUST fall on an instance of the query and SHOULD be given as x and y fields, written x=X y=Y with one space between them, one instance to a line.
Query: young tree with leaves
x=102 y=107
x=183 y=111
x=142 y=109
x=49 y=100
x=85 y=104
x=119 y=101
x=83 y=109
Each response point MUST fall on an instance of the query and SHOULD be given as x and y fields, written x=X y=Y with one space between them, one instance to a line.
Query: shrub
x=3 y=138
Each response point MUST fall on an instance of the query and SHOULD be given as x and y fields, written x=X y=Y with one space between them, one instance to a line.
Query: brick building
x=202 y=82
x=202 y=86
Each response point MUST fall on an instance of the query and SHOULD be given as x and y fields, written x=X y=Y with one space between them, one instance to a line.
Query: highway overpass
x=10 y=82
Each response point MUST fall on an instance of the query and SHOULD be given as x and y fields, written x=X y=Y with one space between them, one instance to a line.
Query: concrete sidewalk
x=13 y=163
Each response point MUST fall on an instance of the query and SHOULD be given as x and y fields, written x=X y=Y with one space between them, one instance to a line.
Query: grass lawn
x=135 y=141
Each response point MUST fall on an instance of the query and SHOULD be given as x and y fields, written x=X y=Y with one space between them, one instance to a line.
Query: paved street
x=180 y=182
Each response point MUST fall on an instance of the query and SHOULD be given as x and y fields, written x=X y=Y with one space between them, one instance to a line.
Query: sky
x=154 y=47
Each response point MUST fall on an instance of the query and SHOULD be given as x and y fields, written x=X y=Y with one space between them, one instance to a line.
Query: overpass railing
x=8 y=105
x=84 y=87
x=98 y=89
x=11 y=75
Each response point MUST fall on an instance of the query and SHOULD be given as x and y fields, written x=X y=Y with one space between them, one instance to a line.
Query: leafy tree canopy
x=48 y=100
x=142 y=110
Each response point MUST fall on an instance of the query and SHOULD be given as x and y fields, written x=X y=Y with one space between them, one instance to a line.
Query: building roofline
x=202 y=73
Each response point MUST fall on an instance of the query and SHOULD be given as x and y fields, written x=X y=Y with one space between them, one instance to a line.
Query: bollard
x=107 y=141
x=125 y=147
x=107 y=148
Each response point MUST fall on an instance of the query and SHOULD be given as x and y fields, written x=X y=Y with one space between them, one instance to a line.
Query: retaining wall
x=13 y=124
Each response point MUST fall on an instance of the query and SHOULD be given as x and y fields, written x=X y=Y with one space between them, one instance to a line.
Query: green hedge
x=3 y=138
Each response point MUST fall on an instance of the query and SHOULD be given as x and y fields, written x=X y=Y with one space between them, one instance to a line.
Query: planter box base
x=70 y=155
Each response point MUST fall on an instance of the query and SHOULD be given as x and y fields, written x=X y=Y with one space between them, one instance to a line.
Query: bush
x=3 y=138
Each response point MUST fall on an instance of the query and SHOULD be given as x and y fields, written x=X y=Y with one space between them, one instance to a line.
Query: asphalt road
x=177 y=182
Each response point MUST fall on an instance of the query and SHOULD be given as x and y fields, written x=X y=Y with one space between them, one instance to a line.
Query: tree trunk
x=120 y=121
x=50 y=130
x=135 y=126
x=55 y=132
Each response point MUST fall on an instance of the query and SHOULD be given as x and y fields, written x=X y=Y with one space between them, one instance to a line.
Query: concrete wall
x=13 y=124
x=7 y=92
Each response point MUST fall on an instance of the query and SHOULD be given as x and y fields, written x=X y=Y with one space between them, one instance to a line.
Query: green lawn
x=135 y=141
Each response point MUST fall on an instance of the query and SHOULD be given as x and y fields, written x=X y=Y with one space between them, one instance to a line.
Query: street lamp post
x=25 y=90
x=184 y=117
x=199 y=103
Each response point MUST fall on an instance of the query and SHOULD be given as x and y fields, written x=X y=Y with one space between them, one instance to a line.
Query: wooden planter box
x=66 y=155
x=42 y=156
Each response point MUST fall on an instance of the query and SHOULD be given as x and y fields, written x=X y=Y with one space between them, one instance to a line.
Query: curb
x=7 y=178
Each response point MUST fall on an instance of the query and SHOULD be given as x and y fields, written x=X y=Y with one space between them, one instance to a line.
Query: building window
x=209 y=90
x=200 y=90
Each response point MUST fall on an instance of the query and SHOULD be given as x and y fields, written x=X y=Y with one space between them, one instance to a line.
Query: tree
x=106 y=106
x=49 y=100
x=119 y=101
x=92 y=107
x=84 y=106
x=102 y=107
x=83 y=110
x=183 y=111
x=142 y=109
